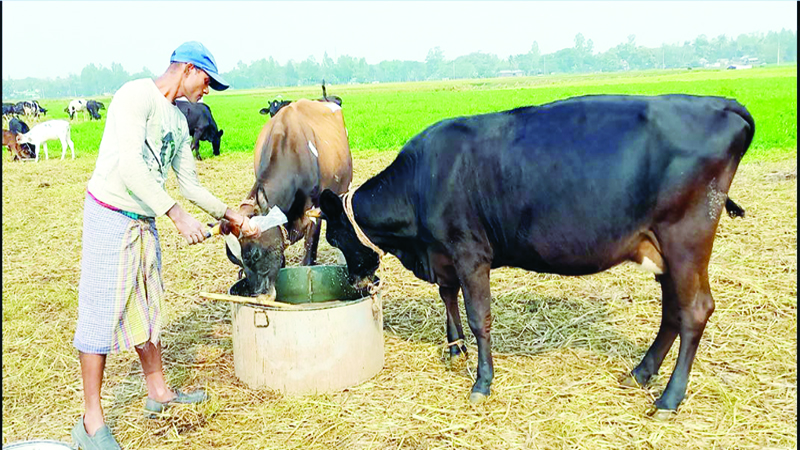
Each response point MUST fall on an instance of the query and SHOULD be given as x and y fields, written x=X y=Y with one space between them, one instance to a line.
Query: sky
x=72 y=34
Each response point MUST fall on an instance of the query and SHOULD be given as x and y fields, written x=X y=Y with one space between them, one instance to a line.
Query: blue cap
x=196 y=53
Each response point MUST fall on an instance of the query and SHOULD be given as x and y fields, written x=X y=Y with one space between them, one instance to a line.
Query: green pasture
x=382 y=117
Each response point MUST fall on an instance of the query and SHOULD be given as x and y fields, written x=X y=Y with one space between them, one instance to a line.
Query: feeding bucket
x=328 y=337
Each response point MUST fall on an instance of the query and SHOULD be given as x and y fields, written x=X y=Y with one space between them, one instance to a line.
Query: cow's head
x=274 y=107
x=362 y=262
x=216 y=140
x=260 y=259
x=23 y=138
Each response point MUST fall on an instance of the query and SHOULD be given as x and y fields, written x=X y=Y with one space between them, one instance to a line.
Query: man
x=121 y=288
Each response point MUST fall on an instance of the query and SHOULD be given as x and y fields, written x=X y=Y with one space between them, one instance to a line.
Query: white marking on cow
x=313 y=149
x=716 y=200
x=649 y=266
x=333 y=106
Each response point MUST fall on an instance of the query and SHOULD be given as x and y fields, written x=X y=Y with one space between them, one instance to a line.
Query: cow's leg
x=477 y=298
x=44 y=146
x=71 y=146
x=687 y=249
x=664 y=339
x=455 y=332
x=63 y=141
x=196 y=144
x=311 y=243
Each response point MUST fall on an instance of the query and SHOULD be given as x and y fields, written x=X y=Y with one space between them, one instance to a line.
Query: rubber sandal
x=153 y=407
x=102 y=439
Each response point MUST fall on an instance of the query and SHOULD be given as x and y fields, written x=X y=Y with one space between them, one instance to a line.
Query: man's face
x=196 y=84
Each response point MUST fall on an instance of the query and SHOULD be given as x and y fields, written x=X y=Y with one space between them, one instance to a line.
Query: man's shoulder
x=142 y=84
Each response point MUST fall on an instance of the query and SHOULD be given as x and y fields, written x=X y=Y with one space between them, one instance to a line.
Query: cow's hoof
x=628 y=380
x=662 y=415
x=476 y=398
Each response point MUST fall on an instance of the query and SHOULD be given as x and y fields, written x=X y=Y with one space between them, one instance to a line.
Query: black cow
x=17 y=126
x=8 y=109
x=572 y=187
x=276 y=104
x=202 y=126
x=274 y=107
x=94 y=107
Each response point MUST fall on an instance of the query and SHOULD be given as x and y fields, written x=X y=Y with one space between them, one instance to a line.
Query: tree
x=345 y=68
x=328 y=67
x=434 y=62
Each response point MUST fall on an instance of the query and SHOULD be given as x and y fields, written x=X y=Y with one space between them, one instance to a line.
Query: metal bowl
x=308 y=284
x=39 y=444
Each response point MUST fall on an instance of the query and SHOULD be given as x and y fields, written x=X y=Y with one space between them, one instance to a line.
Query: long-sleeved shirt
x=145 y=134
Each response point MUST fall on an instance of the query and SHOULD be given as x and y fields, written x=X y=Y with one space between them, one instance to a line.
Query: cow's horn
x=314 y=212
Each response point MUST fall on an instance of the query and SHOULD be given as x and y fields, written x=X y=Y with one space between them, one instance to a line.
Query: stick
x=267 y=300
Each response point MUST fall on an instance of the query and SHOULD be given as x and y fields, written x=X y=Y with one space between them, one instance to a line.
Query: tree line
x=770 y=48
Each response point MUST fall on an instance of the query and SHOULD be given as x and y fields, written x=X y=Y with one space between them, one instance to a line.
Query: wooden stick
x=267 y=300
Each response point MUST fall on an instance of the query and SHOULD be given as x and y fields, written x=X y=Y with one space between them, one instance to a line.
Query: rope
x=375 y=289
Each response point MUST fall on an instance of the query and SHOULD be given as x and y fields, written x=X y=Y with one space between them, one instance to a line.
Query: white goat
x=45 y=131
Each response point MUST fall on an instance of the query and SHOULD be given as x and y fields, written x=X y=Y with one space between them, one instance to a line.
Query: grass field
x=560 y=343
x=383 y=117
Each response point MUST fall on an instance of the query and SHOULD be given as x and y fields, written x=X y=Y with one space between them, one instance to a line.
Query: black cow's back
x=570 y=177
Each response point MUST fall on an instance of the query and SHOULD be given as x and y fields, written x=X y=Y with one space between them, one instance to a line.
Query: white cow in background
x=75 y=106
x=46 y=131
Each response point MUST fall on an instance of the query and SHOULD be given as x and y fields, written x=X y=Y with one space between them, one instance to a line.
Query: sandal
x=153 y=407
x=102 y=439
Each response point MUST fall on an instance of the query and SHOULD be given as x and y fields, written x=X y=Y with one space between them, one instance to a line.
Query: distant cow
x=45 y=131
x=74 y=107
x=276 y=104
x=8 y=110
x=17 y=126
x=202 y=126
x=573 y=187
x=17 y=151
x=274 y=107
x=29 y=108
x=298 y=153
x=94 y=107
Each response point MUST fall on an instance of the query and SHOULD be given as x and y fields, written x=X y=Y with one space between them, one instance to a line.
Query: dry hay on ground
x=559 y=343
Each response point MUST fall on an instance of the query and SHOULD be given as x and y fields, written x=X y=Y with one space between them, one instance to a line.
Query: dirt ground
x=560 y=343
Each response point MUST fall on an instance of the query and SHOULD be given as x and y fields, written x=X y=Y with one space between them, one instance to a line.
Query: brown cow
x=302 y=151
x=17 y=151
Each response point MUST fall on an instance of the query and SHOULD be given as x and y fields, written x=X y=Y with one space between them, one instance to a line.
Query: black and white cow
x=202 y=126
x=572 y=187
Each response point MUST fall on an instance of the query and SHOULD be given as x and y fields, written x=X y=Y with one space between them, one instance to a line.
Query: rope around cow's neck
x=375 y=289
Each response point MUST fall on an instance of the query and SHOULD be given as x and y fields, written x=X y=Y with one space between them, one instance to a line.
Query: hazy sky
x=50 y=39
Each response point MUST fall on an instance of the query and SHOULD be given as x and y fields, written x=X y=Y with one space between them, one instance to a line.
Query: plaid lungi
x=121 y=291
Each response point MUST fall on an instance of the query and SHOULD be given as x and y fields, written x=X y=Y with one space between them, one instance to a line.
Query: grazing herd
x=572 y=187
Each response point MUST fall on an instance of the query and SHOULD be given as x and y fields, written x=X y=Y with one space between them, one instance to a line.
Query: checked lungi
x=121 y=291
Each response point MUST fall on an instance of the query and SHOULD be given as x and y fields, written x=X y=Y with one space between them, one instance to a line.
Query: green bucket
x=310 y=284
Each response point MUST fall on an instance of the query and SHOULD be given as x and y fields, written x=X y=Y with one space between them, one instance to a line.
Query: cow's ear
x=264 y=111
x=220 y=133
x=330 y=204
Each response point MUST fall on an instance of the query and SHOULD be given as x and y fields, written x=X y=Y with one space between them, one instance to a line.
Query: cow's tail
x=733 y=209
x=737 y=108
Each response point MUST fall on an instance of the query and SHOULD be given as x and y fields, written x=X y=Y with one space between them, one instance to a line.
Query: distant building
x=510 y=73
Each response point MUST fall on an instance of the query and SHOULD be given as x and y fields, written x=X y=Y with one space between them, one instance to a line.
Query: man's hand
x=190 y=228
x=242 y=223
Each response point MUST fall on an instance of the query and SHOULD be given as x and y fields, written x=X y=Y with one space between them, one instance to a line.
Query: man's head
x=200 y=70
